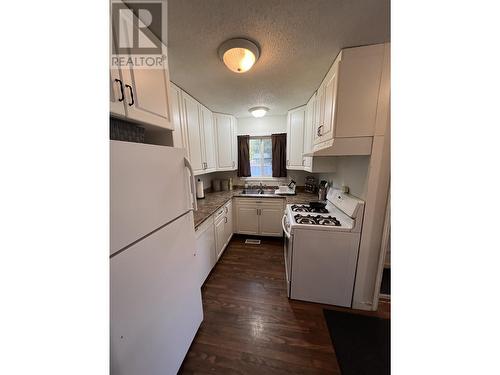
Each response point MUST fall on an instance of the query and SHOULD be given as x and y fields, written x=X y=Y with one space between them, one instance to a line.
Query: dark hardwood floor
x=251 y=327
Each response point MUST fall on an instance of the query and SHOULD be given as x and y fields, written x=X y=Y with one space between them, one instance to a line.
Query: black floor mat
x=361 y=343
x=385 y=287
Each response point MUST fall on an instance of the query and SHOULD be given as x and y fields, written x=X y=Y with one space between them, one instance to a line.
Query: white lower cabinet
x=223 y=228
x=270 y=220
x=220 y=235
x=247 y=219
x=212 y=237
x=205 y=257
x=229 y=228
x=260 y=217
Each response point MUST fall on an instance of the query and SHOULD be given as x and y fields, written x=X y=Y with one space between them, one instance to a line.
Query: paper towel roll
x=200 y=193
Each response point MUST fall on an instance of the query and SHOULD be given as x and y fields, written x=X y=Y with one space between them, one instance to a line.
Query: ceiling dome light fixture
x=239 y=55
x=258 y=111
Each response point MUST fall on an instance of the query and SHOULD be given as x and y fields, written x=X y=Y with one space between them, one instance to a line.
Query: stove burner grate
x=317 y=220
x=307 y=208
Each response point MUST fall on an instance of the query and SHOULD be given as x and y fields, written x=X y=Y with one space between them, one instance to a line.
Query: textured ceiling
x=298 y=39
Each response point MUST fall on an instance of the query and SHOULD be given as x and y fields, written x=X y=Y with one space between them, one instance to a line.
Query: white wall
x=352 y=171
x=266 y=125
x=298 y=176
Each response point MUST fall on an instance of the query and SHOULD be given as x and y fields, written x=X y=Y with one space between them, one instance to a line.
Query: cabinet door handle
x=319 y=130
x=121 y=89
x=226 y=210
x=225 y=219
x=131 y=95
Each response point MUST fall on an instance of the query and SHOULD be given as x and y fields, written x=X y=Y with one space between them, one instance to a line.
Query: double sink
x=258 y=192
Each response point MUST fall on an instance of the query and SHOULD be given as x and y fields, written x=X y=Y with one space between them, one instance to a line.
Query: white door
x=326 y=132
x=270 y=221
x=205 y=250
x=220 y=236
x=247 y=220
x=193 y=131
x=207 y=119
x=155 y=302
x=116 y=85
x=308 y=133
x=146 y=89
x=295 y=138
x=319 y=105
x=149 y=186
x=228 y=228
x=179 y=136
x=234 y=143
x=224 y=131
x=116 y=94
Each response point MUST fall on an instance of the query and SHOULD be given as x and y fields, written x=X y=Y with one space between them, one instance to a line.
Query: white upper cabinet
x=234 y=142
x=116 y=94
x=116 y=85
x=179 y=130
x=325 y=129
x=209 y=138
x=225 y=133
x=197 y=133
x=295 y=138
x=207 y=120
x=304 y=117
x=191 y=116
x=308 y=132
x=141 y=94
x=346 y=101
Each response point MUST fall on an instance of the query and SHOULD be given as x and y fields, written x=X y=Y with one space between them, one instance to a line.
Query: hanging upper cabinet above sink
x=345 y=106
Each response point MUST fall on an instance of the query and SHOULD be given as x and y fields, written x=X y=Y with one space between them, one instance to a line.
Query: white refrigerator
x=155 y=298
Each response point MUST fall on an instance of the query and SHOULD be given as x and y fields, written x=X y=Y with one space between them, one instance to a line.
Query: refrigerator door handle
x=193 y=183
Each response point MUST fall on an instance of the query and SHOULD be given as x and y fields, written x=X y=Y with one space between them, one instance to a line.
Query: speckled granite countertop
x=213 y=201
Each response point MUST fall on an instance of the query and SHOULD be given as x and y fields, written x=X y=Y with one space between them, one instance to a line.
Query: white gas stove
x=342 y=212
x=321 y=249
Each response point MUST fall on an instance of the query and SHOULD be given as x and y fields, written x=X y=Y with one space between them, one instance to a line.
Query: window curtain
x=279 y=154
x=244 y=156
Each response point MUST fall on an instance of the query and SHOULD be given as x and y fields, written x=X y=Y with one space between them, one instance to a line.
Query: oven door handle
x=287 y=233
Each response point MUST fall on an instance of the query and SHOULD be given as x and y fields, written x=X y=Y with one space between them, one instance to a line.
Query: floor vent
x=249 y=241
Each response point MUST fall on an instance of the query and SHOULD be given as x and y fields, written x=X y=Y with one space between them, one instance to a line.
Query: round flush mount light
x=239 y=55
x=258 y=111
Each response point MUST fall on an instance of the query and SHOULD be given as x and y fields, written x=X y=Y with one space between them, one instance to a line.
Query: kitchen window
x=261 y=157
